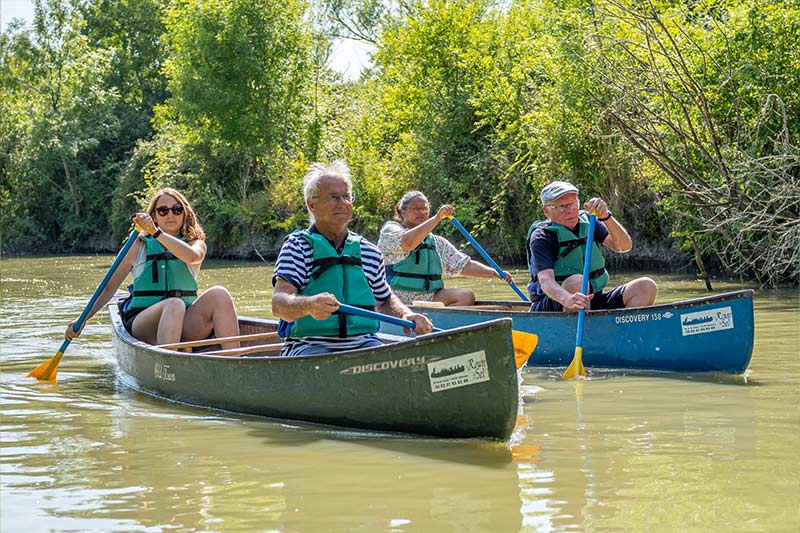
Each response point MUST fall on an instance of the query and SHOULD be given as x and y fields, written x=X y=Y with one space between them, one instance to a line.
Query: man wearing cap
x=556 y=250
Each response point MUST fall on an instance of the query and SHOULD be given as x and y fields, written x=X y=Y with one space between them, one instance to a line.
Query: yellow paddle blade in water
x=524 y=345
x=575 y=368
x=48 y=370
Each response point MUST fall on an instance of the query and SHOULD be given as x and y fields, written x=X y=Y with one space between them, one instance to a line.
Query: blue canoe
x=711 y=334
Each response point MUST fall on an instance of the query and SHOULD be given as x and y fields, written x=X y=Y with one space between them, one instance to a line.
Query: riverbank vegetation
x=684 y=115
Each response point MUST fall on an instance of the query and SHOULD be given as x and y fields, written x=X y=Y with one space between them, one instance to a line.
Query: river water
x=625 y=451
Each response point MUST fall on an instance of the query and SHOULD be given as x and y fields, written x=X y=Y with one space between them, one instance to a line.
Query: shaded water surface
x=623 y=451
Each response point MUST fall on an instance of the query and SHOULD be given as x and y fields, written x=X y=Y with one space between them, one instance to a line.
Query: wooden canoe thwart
x=711 y=334
x=461 y=383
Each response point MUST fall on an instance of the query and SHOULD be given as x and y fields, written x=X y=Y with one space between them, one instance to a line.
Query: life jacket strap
x=176 y=293
x=568 y=246
x=594 y=274
x=343 y=319
x=427 y=277
x=166 y=255
x=422 y=246
x=327 y=262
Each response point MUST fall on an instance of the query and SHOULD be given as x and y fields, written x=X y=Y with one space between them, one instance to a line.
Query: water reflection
x=152 y=467
x=635 y=451
x=616 y=451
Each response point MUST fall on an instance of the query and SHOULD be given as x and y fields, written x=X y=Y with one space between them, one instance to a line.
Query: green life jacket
x=572 y=252
x=164 y=276
x=421 y=271
x=342 y=275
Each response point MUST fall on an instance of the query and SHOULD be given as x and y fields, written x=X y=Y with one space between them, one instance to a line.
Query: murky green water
x=624 y=451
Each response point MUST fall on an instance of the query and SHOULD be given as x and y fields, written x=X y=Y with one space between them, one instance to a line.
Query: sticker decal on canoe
x=161 y=371
x=458 y=371
x=389 y=365
x=706 y=321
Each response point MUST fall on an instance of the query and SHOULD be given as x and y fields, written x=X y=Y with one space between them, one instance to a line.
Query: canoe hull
x=454 y=384
x=713 y=334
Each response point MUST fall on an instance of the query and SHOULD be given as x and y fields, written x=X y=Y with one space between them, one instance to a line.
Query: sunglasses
x=176 y=209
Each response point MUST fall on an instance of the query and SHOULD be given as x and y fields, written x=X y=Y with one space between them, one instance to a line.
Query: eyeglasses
x=565 y=207
x=176 y=209
x=334 y=198
x=419 y=208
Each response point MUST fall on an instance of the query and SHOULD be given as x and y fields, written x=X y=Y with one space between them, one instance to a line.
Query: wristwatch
x=609 y=214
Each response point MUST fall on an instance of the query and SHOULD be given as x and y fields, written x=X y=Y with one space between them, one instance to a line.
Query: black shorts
x=610 y=299
x=128 y=316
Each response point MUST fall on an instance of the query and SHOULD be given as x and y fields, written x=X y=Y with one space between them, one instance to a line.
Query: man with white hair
x=327 y=264
x=556 y=248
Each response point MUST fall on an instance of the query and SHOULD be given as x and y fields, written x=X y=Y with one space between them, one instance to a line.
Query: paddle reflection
x=609 y=448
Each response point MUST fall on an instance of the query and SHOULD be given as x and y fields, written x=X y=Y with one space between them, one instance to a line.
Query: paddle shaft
x=47 y=369
x=350 y=310
x=120 y=256
x=585 y=281
x=486 y=256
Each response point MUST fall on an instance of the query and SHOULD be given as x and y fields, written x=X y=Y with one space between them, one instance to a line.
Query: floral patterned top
x=453 y=261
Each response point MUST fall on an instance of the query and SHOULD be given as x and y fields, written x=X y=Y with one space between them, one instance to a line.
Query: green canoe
x=459 y=383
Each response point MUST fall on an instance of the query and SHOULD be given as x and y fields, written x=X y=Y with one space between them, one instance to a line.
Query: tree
x=684 y=87
x=60 y=111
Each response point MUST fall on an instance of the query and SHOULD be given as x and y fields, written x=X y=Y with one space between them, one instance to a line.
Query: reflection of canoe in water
x=460 y=383
x=700 y=335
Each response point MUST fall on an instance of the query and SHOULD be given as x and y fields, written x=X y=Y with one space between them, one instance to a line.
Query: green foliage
x=682 y=115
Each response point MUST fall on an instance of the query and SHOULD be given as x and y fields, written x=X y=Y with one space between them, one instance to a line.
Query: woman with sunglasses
x=163 y=306
x=416 y=258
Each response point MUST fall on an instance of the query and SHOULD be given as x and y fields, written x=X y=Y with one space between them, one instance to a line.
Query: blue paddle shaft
x=585 y=281
x=350 y=310
x=120 y=256
x=486 y=256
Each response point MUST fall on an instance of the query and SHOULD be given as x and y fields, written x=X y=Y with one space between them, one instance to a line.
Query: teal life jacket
x=164 y=276
x=421 y=271
x=342 y=275
x=572 y=252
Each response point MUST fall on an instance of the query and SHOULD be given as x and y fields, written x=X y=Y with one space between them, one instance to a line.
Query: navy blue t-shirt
x=543 y=249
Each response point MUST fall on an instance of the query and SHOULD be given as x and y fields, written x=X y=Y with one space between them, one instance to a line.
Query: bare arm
x=124 y=268
x=289 y=306
x=191 y=253
x=393 y=306
x=570 y=301
x=414 y=236
x=618 y=239
x=476 y=269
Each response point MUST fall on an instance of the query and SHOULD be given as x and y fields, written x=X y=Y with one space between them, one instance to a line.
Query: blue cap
x=556 y=190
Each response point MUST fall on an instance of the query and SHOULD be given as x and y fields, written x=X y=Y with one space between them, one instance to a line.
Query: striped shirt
x=294 y=266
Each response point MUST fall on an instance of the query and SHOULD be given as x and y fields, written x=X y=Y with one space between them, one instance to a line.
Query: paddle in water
x=575 y=368
x=48 y=370
x=486 y=256
x=524 y=343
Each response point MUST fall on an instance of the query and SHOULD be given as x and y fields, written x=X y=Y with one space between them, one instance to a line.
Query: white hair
x=317 y=171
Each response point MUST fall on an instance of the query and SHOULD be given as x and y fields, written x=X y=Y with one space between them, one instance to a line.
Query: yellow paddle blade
x=575 y=368
x=524 y=345
x=48 y=370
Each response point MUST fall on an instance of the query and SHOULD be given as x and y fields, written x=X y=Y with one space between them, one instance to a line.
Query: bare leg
x=161 y=323
x=456 y=296
x=640 y=292
x=213 y=310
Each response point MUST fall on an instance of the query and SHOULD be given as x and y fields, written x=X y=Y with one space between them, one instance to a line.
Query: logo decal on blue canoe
x=458 y=371
x=389 y=365
x=706 y=321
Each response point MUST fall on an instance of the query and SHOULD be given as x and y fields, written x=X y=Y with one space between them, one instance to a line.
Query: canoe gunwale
x=681 y=304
